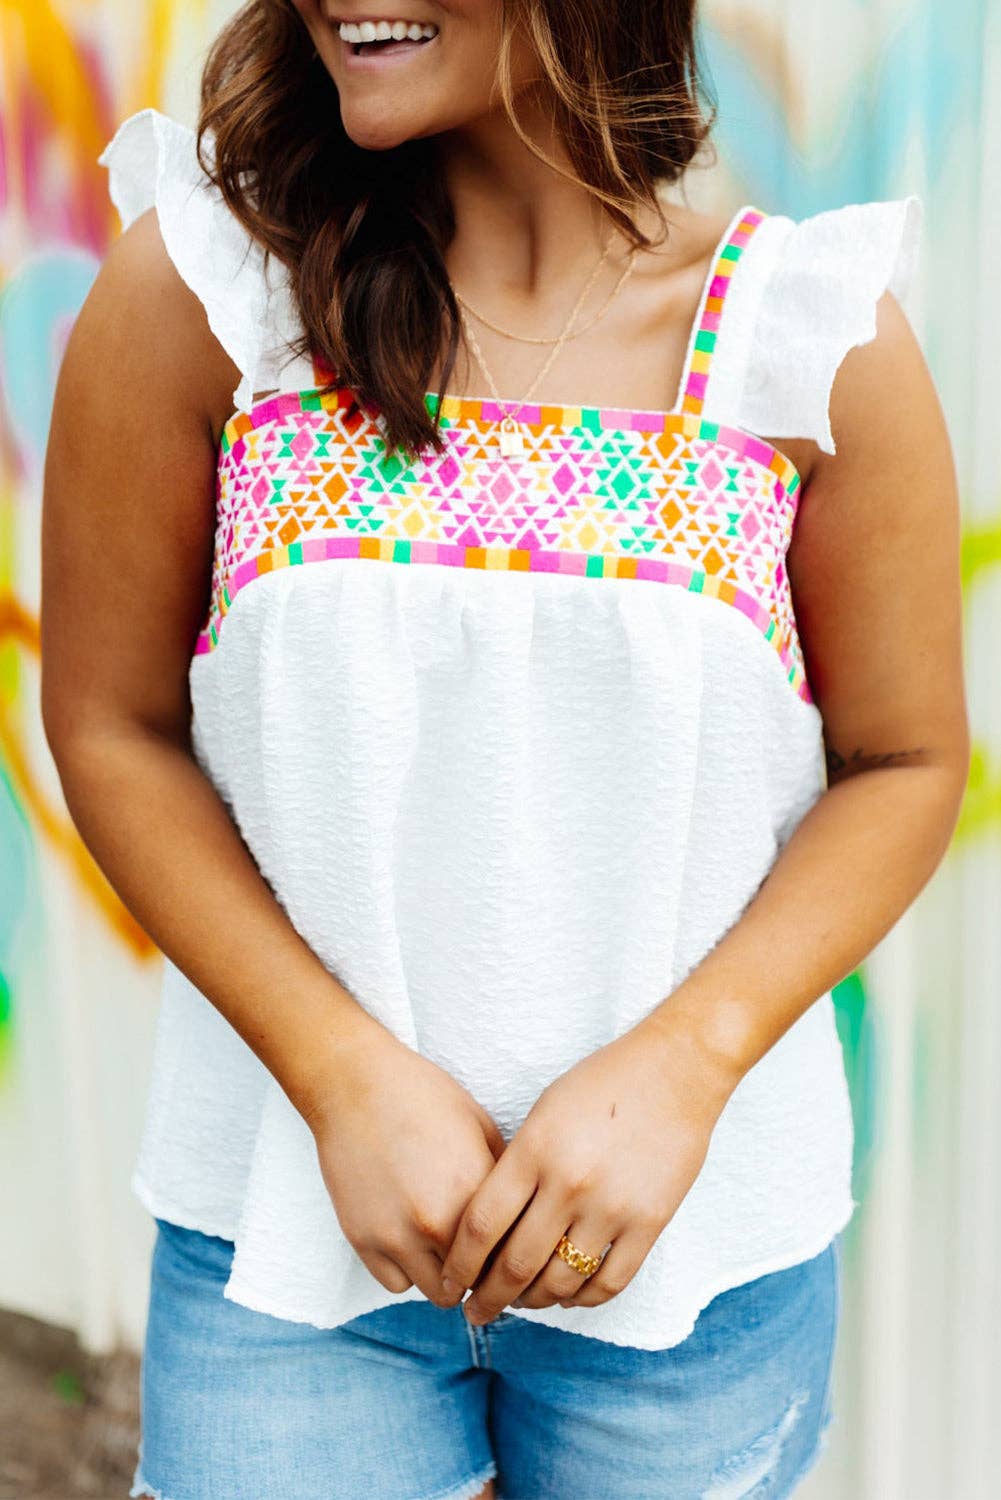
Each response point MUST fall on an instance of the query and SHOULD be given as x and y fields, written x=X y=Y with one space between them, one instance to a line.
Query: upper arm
x=129 y=495
x=874 y=564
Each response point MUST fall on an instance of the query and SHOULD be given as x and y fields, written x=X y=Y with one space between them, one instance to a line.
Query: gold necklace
x=512 y=440
x=524 y=338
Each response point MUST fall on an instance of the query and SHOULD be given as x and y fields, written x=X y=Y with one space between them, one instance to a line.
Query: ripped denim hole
x=740 y=1476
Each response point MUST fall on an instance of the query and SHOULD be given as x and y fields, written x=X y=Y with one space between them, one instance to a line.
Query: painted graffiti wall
x=819 y=105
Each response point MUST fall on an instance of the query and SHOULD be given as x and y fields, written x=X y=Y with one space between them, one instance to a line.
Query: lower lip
x=385 y=57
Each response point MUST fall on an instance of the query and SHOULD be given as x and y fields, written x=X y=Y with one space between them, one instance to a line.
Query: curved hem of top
x=765 y=1267
x=159 y=1208
x=244 y=1296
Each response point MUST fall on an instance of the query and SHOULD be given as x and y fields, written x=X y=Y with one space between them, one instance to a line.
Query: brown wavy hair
x=363 y=233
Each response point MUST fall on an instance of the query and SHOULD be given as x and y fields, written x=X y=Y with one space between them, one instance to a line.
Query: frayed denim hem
x=466 y=1491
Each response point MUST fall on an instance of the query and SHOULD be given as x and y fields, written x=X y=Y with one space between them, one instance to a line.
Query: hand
x=606 y=1155
x=402 y=1147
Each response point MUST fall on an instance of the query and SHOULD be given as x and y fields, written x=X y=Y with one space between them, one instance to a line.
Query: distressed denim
x=410 y=1402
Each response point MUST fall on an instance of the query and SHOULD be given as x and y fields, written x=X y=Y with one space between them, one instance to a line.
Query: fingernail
x=448 y=1287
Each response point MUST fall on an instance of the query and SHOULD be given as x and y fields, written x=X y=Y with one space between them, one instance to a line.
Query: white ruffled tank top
x=514 y=740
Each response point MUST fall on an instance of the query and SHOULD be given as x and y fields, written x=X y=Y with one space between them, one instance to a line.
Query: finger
x=492 y=1135
x=628 y=1252
x=488 y=1215
x=423 y=1266
x=520 y=1258
x=387 y=1272
x=557 y=1280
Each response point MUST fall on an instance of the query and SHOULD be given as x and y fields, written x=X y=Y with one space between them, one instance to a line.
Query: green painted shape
x=596 y=567
x=10 y=671
x=401 y=552
x=859 y=1047
x=295 y=554
x=706 y=340
x=980 y=550
x=980 y=810
x=311 y=401
x=6 y=1026
x=67 y=1385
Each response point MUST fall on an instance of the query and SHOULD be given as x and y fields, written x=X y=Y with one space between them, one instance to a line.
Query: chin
x=375 y=133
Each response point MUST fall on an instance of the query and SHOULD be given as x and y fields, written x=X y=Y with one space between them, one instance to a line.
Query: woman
x=505 y=777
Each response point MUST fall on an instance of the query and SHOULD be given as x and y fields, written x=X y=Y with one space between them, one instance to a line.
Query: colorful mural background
x=818 y=107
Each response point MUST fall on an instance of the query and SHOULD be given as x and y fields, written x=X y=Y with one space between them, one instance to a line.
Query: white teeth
x=385 y=31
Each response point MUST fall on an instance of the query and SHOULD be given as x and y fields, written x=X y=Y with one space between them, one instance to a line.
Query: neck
x=521 y=228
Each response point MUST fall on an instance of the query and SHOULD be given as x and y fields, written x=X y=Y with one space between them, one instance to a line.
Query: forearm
x=166 y=842
x=852 y=866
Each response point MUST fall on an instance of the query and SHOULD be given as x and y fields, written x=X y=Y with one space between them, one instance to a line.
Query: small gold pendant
x=512 y=440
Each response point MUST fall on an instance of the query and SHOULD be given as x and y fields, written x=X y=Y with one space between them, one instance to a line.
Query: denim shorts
x=411 y=1402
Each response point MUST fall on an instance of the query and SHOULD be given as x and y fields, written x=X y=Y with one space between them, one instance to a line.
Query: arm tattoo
x=839 y=767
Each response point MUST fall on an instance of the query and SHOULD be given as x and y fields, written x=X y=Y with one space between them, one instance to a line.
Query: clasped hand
x=606 y=1155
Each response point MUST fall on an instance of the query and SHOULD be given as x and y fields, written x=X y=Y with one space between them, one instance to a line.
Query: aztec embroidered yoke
x=514 y=741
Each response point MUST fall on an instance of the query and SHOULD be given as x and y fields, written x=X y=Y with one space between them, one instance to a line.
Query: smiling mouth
x=364 y=38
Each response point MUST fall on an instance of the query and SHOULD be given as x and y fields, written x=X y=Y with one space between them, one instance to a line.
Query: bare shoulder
x=128 y=512
x=142 y=336
x=874 y=558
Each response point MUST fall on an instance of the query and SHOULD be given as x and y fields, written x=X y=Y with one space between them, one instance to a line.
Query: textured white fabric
x=152 y=162
x=631 y=759
x=806 y=297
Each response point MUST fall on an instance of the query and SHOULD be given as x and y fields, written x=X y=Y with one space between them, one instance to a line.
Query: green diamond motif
x=623 y=483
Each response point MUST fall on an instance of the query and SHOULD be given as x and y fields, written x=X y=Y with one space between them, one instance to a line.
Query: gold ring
x=578 y=1259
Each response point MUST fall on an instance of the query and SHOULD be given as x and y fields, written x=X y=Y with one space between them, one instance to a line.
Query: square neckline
x=648 y=422
x=646 y=411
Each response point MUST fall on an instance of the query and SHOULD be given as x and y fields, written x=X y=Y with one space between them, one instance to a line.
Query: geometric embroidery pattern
x=599 y=493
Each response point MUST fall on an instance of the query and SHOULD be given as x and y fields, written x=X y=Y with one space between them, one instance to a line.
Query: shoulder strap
x=702 y=343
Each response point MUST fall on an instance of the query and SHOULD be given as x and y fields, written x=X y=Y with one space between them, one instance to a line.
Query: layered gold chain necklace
x=512 y=436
